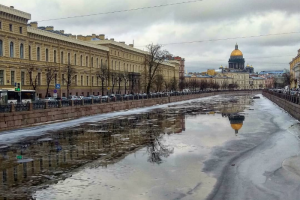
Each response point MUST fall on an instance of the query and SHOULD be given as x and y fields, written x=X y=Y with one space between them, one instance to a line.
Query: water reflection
x=26 y=165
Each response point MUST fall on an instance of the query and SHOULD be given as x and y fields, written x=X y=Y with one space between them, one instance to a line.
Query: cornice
x=64 y=38
x=15 y=12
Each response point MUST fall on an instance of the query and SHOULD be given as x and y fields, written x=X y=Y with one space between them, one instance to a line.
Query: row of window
x=126 y=55
x=11 y=28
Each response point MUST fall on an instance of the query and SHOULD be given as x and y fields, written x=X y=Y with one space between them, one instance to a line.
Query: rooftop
x=12 y=11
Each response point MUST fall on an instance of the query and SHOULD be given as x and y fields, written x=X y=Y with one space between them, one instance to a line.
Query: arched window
x=11 y=49
x=75 y=59
x=101 y=63
x=81 y=60
x=54 y=56
x=115 y=65
x=47 y=55
x=97 y=62
x=38 y=54
x=92 y=62
x=86 y=61
x=62 y=57
x=29 y=52
x=1 y=48
x=112 y=64
x=69 y=58
x=21 y=51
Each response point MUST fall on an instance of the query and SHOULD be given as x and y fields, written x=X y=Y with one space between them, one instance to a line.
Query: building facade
x=295 y=71
x=28 y=52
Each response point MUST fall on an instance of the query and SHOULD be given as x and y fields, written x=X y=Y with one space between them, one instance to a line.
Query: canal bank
x=15 y=120
x=289 y=103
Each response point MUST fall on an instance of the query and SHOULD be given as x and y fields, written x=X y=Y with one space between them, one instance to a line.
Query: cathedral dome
x=236 y=52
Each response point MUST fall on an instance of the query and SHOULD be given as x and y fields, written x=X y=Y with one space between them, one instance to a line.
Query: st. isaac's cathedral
x=236 y=62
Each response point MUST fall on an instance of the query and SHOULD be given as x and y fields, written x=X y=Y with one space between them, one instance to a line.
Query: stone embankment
x=289 y=103
x=14 y=120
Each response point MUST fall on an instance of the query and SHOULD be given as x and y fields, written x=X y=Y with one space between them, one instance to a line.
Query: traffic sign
x=55 y=91
x=57 y=86
x=19 y=157
x=108 y=88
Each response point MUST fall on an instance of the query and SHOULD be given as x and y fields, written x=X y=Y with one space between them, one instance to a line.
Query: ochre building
x=28 y=52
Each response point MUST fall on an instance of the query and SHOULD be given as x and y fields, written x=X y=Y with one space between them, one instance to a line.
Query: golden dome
x=237 y=126
x=236 y=52
x=221 y=66
x=251 y=66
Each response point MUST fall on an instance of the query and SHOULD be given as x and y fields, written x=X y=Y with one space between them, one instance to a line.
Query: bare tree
x=167 y=85
x=174 y=84
x=224 y=85
x=216 y=86
x=153 y=60
x=126 y=79
x=182 y=83
x=70 y=76
x=114 y=79
x=103 y=75
x=203 y=84
x=158 y=82
x=120 y=79
x=33 y=80
x=50 y=75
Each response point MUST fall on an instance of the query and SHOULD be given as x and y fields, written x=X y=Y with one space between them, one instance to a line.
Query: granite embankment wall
x=14 y=120
x=289 y=103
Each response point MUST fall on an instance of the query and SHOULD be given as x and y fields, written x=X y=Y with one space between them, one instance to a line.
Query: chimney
x=88 y=38
x=80 y=37
x=112 y=39
x=62 y=31
x=131 y=45
x=34 y=24
x=49 y=28
x=102 y=37
x=12 y=7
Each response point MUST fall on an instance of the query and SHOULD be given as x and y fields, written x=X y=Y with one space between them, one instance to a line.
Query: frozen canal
x=223 y=147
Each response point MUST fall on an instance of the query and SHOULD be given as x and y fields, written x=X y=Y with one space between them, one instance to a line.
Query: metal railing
x=53 y=104
x=38 y=105
x=22 y=107
x=291 y=98
x=87 y=101
x=5 y=108
x=77 y=102
x=66 y=103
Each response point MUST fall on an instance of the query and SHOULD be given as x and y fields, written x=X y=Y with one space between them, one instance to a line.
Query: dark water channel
x=160 y=154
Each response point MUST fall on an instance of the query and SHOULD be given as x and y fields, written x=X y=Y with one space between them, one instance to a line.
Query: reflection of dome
x=236 y=122
x=236 y=126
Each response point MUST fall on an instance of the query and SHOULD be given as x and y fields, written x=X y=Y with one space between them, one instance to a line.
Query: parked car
x=49 y=99
x=61 y=98
x=104 y=98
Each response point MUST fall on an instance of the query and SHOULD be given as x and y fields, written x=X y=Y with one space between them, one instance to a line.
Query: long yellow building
x=27 y=52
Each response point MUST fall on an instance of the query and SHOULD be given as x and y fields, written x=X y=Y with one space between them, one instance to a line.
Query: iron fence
x=22 y=107
x=38 y=105
x=77 y=102
x=5 y=108
x=52 y=104
x=87 y=101
x=65 y=103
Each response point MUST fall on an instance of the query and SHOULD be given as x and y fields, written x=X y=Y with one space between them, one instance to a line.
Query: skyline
x=182 y=23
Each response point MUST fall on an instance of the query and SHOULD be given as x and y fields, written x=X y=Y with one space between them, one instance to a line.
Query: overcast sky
x=204 y=20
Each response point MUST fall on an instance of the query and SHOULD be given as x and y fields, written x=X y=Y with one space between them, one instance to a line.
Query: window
x=47 y=55
x=39 y=78
x=75 y=59
x=55 y=79
x=62 y=57
x=63 y=79
x=101 y=63
x=1 y=77
x=1 y=48
x=54 y=56
x=38 y=54
x=10 y=27
x=112 y=64
x=92 y=80
x=87 y=81
x=75 y=79
x=81 y=60
x=21 y=30
x=29 y=52
x=92 y=62
x=97 y=62
x=115 y=65
x=69 y=59
x=11 y=49
x=22 y=78
x=0 y=25
x=81 y=80
x=12 y=77
x=21 y=51
x=86 y=61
